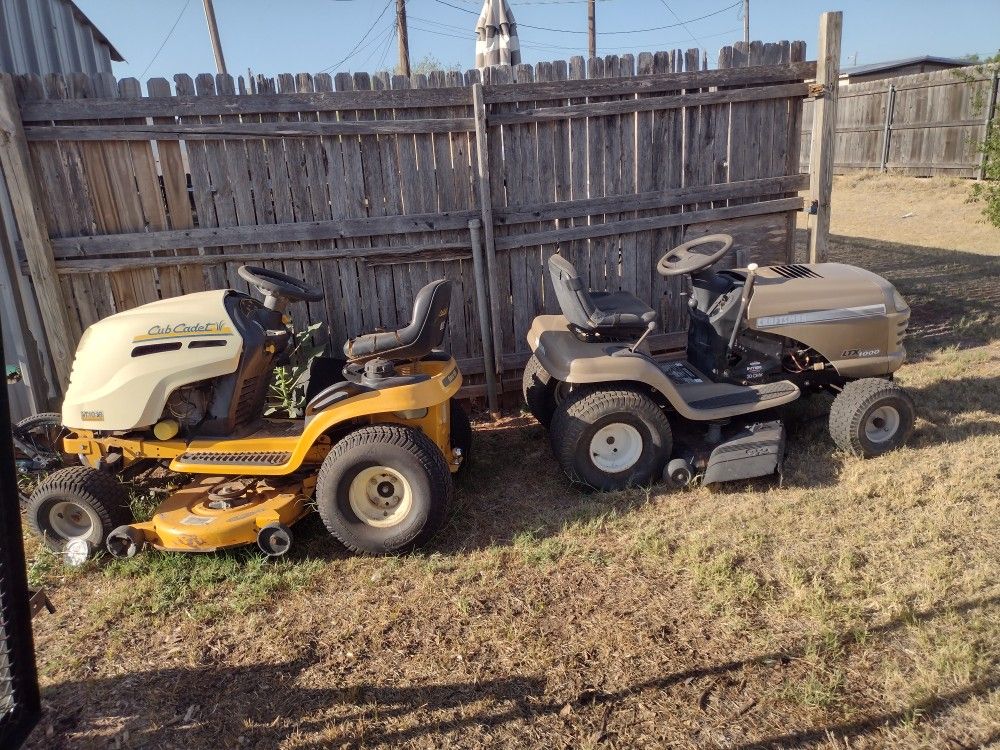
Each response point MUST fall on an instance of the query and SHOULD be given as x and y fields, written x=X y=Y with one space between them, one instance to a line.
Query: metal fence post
x=483 y=310
x=890 y=104
x=991 y=109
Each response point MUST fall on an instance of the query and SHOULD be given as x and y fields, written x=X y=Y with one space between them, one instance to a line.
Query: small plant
x=986 y=191
x=286 y=393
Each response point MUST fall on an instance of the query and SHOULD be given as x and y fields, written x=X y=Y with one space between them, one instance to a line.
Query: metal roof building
x=51 y=36
x=892 y=68
x=40 y=37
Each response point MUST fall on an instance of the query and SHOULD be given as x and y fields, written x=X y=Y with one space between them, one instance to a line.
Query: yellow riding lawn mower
x=183 y=381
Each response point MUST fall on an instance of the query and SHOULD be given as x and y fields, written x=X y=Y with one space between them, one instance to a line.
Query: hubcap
x=882 y=424
x=380 y=496
x=71 y=521
x=616 y=447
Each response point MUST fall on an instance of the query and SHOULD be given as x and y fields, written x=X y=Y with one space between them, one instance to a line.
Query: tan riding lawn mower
x=759 y=338
x=183 y=382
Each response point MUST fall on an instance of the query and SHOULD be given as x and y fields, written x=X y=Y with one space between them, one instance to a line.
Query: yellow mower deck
x=186 y=521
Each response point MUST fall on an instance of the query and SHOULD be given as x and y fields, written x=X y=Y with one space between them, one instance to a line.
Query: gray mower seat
x=610 y=314
x=424 y=333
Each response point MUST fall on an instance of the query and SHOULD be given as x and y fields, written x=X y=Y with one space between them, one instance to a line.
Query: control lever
x=744 y=303
x=632 y=349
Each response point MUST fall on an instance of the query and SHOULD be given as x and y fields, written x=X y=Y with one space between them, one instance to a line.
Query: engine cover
x=128 y=364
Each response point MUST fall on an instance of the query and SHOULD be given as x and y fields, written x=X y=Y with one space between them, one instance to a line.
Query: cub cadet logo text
x=185 y=329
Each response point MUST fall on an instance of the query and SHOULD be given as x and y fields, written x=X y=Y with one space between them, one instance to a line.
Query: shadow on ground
x=263 y=705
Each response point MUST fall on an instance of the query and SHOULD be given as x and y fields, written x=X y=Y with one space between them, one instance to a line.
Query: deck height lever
x=744 y=303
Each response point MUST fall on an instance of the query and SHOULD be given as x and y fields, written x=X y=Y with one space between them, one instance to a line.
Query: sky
x=291 y=36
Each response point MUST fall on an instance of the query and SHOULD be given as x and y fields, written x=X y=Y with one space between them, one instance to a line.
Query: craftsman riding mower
x=758 y=339
x=183 y=381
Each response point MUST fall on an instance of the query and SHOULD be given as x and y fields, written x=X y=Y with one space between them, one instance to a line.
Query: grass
x=855 y=606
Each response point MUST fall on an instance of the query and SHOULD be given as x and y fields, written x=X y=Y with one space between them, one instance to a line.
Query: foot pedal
x=754 y=451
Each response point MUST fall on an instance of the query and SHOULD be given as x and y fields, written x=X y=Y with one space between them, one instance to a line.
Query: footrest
x=752 y=394
x=240 y=458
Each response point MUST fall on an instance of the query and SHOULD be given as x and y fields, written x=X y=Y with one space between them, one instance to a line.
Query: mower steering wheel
x=682 y=260
x=275 y=286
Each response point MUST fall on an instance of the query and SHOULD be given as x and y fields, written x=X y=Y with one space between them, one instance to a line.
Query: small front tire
x=384 y=489
x=610 y=439
x=77 y=503
x=871 y=416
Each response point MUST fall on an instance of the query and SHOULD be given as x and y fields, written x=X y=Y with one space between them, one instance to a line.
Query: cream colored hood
x=127 y=365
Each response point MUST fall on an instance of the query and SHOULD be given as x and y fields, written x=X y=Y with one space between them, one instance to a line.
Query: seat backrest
x=574 y=299
x=430 y=318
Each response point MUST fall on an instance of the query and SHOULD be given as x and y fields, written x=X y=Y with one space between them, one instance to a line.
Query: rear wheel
x=38 y=450
x=77 y=505
x=383 y=489
x=611 y=439
x=871 y=416
x=540 y=390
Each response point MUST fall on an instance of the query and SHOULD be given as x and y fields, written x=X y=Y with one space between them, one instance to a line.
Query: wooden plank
x=562 y=185
x=823 y=134
x=649 y=84
x=175 y=191
x=649 y=223
x=212 y=131
x=725 y=96
x=626 y=185
x=578 y=252
x=597 y=252
x=27 y=202
x=385 y=255
x=269 y=101
x=521 y=174
x=645 y=181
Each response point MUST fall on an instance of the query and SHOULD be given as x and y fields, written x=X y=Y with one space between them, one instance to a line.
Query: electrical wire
x=682 y=23
x=362 y=39
x=608 y=33
x=165 y=39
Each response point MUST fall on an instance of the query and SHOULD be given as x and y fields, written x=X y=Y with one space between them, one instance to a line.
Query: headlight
x=898 y=302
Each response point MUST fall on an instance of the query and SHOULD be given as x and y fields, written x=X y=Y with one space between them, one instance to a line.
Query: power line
x=608 y=33
x=682 y=23
x=165 y=39
x=362 y=39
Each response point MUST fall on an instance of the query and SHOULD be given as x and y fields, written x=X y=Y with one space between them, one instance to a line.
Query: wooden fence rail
x=371 y=186
x=922 y=124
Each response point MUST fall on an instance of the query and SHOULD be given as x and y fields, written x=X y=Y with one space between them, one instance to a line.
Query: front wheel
x=77 y=505
x=383 y=489
x=610 y=439
x=870 y=417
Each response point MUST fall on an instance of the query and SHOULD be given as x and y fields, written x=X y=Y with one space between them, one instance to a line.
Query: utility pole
x=746 y=26
x=404 y=42
x=591 y=29
x=213 y=32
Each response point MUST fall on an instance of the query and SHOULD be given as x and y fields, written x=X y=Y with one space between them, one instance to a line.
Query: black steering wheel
x=274 y=286
x=683 y=260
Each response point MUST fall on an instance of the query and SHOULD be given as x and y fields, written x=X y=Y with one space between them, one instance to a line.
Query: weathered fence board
x=366 y=185
x=922 y=124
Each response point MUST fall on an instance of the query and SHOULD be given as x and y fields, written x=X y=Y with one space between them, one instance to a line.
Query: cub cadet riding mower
x=759 y=338
x=184 y=380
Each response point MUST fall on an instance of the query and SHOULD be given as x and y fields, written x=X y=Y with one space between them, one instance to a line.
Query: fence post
x=482 y=308
x=824 y=134
x=486 y=210
x=890 y=104
x=991 y=109
x=25 y=197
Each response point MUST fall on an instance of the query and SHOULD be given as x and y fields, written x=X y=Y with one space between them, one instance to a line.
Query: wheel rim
x=380 y=496
x=882 y=424
x=616 y=447
x=71 y=520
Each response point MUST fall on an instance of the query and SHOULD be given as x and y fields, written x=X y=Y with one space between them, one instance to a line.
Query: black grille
x=795 y=271
x=246 y=406
x=19 y=702
x=246 y=458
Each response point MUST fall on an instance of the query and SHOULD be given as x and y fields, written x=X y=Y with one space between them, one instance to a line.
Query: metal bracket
x=39 y=600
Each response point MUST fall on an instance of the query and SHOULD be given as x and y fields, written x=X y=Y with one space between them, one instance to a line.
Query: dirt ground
x=856 y=606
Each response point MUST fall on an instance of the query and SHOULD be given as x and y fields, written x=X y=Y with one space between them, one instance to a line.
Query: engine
x=189 y=405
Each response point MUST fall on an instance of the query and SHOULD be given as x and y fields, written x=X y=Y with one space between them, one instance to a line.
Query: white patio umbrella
x=496 y=36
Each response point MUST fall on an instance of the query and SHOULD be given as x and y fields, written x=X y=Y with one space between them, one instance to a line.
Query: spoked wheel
x=611 y=439
x=383 y=489
x=871 y=416
x=38 y=451
x=77 y=508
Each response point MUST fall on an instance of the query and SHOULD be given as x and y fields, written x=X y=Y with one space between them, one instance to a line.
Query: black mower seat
x=618 y=313
x=424 y=333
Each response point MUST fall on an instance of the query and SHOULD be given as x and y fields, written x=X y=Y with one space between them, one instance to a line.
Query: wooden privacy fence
x=367 y=186
x=923 y=124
